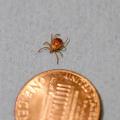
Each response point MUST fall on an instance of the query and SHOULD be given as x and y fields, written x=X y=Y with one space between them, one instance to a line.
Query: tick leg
x=52 y=37
x=44 y=48
x=47 y=43
x=64 y=49
x=66 y=42
x=57 y=57
x=56 y=35
x=61 y=53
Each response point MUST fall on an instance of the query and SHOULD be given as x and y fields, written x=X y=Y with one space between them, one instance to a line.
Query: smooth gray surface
x=94 y=29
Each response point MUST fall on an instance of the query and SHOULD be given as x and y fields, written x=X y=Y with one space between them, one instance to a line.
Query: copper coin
x=58 y=95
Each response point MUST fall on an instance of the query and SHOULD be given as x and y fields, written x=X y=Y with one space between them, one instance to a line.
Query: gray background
x=94 y=51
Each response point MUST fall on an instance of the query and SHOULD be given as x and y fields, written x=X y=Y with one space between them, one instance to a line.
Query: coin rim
x=63 y=70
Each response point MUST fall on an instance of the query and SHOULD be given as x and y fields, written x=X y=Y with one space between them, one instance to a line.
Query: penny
x=58 y=95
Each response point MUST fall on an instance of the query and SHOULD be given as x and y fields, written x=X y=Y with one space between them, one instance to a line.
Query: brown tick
x=55 y=46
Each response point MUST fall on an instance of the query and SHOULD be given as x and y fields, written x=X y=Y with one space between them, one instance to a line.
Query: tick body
x=55 y=46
